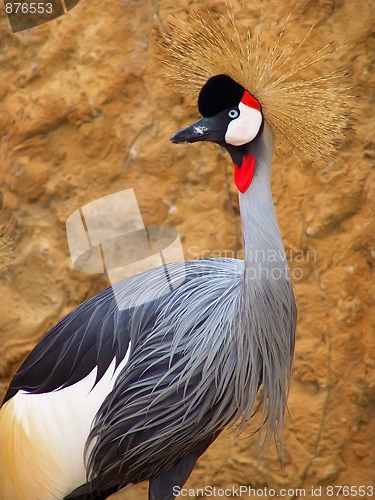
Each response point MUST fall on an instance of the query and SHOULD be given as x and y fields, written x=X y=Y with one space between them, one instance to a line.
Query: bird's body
x=172 y=372
x=111 y=397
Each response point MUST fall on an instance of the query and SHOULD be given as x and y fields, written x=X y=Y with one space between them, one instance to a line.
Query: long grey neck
x=266 y=313
x=264 y=252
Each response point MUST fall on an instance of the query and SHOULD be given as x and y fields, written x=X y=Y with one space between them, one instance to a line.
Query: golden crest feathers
x=309 y=114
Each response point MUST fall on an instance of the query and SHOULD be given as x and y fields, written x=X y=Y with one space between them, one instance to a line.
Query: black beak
x=205 y=129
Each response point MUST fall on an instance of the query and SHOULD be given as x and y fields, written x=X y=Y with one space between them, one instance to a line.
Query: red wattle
x=244 y=175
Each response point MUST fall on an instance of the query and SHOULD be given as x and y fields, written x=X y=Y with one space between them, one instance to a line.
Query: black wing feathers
x=91 y=335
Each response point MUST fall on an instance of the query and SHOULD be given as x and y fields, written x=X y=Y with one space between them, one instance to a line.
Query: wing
x=98 y=331
x=102 y=357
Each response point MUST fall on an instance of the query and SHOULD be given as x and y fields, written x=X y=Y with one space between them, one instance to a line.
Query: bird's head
x=233 y=118
x=251 y=80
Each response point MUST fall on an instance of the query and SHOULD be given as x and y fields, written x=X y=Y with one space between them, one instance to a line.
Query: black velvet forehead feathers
x=218 y=93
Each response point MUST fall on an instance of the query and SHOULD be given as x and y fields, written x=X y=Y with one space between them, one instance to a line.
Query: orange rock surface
x=85 y=112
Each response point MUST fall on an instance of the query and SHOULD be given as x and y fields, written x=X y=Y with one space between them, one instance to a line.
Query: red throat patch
x=244 y=175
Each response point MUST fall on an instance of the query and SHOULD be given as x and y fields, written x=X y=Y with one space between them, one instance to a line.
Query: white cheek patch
x=244 y=128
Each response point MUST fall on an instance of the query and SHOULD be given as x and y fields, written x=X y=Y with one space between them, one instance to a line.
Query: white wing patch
x=244 y=128
x=43 y=437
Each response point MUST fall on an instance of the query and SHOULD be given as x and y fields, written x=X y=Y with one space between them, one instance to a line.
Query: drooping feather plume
x=310 y=114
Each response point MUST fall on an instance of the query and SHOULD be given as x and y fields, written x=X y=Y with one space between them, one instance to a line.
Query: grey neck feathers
x=263 y=247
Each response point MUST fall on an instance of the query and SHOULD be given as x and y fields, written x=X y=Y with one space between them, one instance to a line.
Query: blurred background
x=85 y=112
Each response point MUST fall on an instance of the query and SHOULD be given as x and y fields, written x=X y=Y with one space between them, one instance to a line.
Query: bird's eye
x=233 y=113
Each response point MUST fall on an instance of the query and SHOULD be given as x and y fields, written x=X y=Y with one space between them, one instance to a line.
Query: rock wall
x=85 y=113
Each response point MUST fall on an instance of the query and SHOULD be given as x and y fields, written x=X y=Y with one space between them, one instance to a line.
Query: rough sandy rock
x=85 y=113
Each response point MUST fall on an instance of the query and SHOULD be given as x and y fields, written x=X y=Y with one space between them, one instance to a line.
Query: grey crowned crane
x=110 y=398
